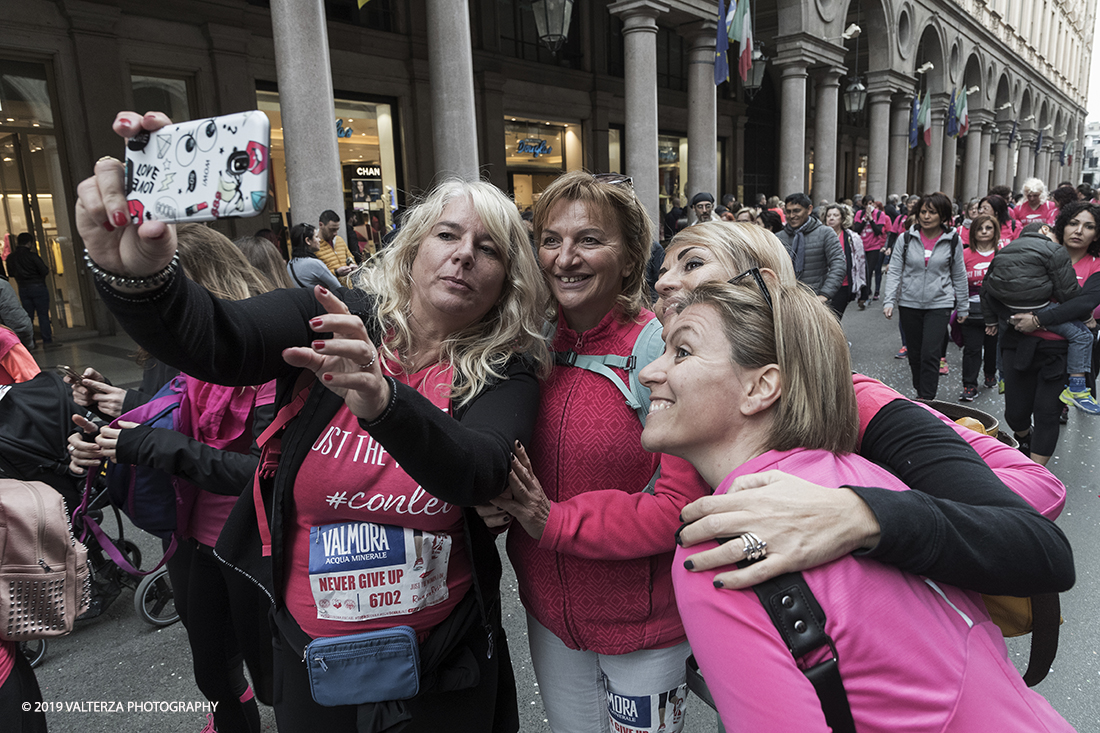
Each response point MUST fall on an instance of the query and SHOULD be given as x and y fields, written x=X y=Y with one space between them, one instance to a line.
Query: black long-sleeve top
x=463 y=460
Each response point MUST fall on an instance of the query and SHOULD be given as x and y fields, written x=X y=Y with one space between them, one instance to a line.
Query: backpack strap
x=648 y=346
x=601 y=364
x=295 y=275
x=798 y=616
x=270 y=444
x=1046 y=615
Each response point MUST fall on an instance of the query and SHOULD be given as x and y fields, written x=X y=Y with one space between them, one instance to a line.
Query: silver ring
x=755 y=548
x=366 y=367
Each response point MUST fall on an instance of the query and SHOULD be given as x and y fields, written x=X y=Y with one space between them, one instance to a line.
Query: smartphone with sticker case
x=199 y=170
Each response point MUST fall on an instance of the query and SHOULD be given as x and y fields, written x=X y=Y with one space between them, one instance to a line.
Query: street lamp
x=756 y=72
x=855 y=97
x=552 y=21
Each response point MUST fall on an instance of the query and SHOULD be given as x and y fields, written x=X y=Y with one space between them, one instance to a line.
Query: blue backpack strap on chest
x=647 y=348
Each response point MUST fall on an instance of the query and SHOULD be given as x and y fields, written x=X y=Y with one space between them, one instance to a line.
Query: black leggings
x=1028 y=394
x=874 y=270
x=490 y=707
x=226 y=620
x=925 y=330
x=979 y=349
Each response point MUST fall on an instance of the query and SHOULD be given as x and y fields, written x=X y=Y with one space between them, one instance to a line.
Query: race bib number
x=361 y=570
x=663 y=712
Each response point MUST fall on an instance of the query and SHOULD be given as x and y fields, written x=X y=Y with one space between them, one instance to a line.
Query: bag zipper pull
x=321 y=660
x=45 y=567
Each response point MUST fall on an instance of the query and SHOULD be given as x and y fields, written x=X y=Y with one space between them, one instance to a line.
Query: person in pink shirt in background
x=756 y=377
x=1036 y=207
x=873 y=226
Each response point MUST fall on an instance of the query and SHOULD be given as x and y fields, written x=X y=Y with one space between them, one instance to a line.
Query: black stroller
x=35 y=423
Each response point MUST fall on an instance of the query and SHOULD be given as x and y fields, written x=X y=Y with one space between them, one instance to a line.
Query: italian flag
x=963 y=115
x=925 y=119
x=740 y=31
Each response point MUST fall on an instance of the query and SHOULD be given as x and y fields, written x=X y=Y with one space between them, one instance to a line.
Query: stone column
x=792 y=128
x=879 y=153
x=702 y=110
x=933 y=154
x=1057 y=172
x=988 y=133
x=1042 y=165
x=490 y=89
x=1025 y=165
x=640 y=84
x=451 y=65
x=1001 y=156
x=947 y=175
x=313 y=176
x=900 y=110
x=972 y=162
x=825 y=135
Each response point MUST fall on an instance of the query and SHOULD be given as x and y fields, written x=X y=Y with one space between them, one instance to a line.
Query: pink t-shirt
x=872 y=241
x=929 y=244
x=915 y=656
x=1046 y=213
x=976 y=265
x=8 y=650
x=1009 y=232
x=221 y=417
x=368 y=547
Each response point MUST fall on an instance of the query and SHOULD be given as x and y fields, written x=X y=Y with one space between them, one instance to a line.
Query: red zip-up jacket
x=600 y=576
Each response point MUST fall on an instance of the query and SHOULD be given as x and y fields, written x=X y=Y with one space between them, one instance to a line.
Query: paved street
x=118 y=658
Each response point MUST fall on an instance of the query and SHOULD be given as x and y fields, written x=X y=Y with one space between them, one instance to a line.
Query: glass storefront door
x=32 y=191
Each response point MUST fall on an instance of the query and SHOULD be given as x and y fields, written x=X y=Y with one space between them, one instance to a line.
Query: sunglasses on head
x=614 y=179
x=755 y=273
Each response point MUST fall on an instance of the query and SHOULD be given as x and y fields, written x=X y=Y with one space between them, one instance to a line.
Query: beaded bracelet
x=151 y=281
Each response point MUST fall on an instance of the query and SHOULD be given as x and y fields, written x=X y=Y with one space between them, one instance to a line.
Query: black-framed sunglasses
x=755 y=272
x=614 y=179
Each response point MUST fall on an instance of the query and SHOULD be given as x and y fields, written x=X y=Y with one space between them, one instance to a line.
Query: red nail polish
x=316 y=322
x=323 y=290
x=108 y=227
x=318 y=345
x=327 y=377
x=120 y=219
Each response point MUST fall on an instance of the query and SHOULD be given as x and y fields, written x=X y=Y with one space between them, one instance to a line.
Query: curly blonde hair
x=513 y=326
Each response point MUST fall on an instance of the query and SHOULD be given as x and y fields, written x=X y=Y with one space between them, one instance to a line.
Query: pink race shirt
x=915 y=656
x=1046 y=213
x=369 y=548
x=976 y=265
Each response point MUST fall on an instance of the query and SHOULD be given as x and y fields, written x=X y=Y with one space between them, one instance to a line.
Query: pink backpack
x=44 y=582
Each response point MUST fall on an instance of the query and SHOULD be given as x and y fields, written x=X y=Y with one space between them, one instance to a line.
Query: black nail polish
x=689 y=564
x=719 y=584
x=678 y=531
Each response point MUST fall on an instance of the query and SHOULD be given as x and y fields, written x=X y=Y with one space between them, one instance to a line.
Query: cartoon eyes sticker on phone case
x=199 y=170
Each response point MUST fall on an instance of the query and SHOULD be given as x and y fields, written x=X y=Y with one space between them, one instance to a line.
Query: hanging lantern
x=756 y=71
x=552 y=21
x=855 y=97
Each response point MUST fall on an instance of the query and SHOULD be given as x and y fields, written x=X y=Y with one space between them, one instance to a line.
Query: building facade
x=371 y=105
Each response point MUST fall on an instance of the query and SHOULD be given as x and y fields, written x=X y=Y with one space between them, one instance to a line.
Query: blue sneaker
x=1081 y=400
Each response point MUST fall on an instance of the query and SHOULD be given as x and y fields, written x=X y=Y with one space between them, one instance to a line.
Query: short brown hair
x=634 y=223
x=977 y=223
x=817 y=407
